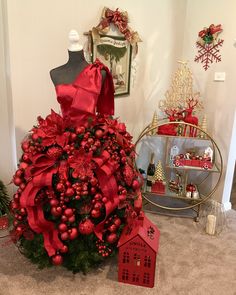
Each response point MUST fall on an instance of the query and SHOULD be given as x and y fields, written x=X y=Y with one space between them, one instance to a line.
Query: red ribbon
x=211 y=30
x=41 y=177
x=119 y=19
x=105 y=170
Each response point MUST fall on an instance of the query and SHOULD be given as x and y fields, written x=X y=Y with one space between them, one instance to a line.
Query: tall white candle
x=211 y=224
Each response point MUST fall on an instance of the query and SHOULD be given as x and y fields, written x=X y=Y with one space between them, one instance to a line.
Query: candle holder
x=213 y=218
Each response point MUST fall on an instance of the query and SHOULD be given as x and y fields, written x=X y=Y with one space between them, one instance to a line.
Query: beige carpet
x=189 y=262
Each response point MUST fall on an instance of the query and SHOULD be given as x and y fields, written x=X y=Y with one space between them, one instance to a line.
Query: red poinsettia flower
x=82 y=163
x=52 y=130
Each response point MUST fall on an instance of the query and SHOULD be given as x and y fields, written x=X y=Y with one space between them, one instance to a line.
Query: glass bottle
x=150 y=173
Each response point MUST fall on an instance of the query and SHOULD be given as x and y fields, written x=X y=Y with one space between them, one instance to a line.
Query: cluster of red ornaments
x=74 y=200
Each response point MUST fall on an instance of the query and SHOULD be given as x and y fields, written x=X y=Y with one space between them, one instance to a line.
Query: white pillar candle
x=188 y=194
x=195 y=195
x=211 y=224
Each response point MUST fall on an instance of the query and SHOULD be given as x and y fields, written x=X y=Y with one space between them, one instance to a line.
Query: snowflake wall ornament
x=208 y=46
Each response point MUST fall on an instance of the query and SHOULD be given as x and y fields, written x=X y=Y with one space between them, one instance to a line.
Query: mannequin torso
x=67 y=73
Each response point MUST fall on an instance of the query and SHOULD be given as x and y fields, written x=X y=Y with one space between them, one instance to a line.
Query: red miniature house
x=138 y=247
x=158 y=187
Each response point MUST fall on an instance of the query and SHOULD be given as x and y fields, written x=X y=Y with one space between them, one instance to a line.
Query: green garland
x=83 y=255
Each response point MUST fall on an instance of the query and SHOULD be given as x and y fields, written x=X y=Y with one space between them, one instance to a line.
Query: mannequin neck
x=76 y=57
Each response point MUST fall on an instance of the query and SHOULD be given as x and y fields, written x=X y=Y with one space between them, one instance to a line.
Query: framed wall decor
x=115 y=52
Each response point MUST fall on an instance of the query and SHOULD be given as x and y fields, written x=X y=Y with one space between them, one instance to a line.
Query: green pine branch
x=4 y=199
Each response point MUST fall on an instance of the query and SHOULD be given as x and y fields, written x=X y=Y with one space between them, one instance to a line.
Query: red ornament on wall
x=138 y=247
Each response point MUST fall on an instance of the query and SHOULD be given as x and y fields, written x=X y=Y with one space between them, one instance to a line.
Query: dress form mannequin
x=68 y=72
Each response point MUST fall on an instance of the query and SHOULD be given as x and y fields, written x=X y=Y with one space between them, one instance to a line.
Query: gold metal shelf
x=214 y=168
x=152 y=195
x=170 y=202
x=180 y=137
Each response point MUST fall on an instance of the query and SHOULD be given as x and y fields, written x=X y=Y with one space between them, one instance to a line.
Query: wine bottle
x=150 y=173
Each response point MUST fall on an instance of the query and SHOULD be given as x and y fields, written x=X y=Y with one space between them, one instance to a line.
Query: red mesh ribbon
x=105 y=170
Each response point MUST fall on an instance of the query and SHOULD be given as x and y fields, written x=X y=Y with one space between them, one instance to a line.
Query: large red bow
x=120 y=20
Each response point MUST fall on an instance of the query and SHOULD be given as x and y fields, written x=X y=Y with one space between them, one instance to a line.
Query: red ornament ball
x=98 y=133
x=22 y=211
x=135 y=184
x=117 y=222
x=86 y=227
x=111 y=238
x=80 y=130
x=71 y=219
x=73 y=137
x=15 y=222
x=19 y=230
x=14 y=205
x=64 y=249
x=93 y=181
x=68 y=212
x=112 y=228
x=55 y=212
x=62 y=227
x=26 y=158
x=95 y=213
x=25 y=145
x=64 y=218
x=122 y=197
x=54 y=202
x=35 y=136
x=104 y=200
x=23 y=165
x=60 y=187
x=73 y=233
x=57 y=259
x=19 y=172
x=17 y=181
x=54 y=152
x=69 y=192
x=65 y=236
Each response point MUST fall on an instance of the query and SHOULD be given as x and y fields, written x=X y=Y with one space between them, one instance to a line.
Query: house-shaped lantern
x=138 y=247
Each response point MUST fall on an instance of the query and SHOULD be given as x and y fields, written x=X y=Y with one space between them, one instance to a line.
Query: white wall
x=219 y=97
x=7 y=146
x=38 y=33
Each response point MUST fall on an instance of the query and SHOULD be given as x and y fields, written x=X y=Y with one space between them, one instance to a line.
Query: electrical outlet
x=219 y=76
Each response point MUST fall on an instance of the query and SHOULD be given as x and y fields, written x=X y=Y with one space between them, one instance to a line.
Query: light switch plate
x=219 y=76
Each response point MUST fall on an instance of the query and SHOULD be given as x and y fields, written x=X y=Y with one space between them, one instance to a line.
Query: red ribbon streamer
x=105 y=170
x=36 y=219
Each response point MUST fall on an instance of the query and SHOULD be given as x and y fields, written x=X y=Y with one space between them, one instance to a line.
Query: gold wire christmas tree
x=181 y=91
x=154 y=124
x=159 y=173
